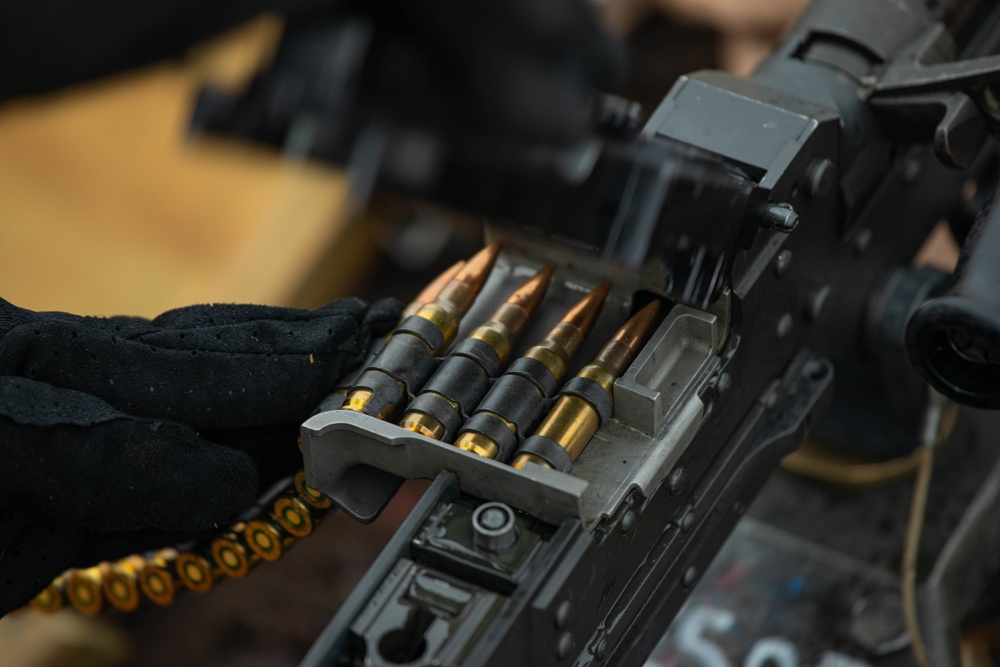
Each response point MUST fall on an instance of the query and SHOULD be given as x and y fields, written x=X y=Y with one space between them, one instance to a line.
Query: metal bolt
x=780 y=217
x=563 y=613
x=782 y=262
x=723 y=384
x=677 y=481
x=601 y=649
x=493 y=527
x=877 y=623
x=689 y=576
x=785 y=324
x=565 y=645
x=817 y=301
x=819 y=178
x=688 y=521
x=627 y=523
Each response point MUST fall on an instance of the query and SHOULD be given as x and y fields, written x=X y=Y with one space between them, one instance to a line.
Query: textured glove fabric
x=121 y=433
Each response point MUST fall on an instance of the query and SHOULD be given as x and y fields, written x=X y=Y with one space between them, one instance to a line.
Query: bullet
x=407 y=359
x=231 y=555
x=121 y=583
x=52 y=598
x=336 y=399
x=157 y=578
x=83 y=589
x=267 y=539
x=462 y=380
x=196 y=571
x=432 y=290
x=585 y=403
x=517 y=401
x=311 y=496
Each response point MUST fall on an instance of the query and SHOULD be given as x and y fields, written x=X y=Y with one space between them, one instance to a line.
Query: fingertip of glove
x=383 y=314
x=220 y=486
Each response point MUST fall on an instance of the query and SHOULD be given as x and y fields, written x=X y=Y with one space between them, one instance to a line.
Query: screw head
x=565 y=645
x=785 y=324
x=780 y=217
x=677 y=481
x=819 y=178
x=627 y=523
x=723 y=384
x=601 y=649
x=563 y=612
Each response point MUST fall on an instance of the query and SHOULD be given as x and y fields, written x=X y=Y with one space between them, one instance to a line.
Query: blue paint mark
x=795 y=586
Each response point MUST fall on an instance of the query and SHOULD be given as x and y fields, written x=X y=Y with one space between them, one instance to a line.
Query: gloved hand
x=122 y=434
x=519 y=68
x=523 y=69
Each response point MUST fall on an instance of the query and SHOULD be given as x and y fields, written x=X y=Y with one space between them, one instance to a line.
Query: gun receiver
x=775 y=219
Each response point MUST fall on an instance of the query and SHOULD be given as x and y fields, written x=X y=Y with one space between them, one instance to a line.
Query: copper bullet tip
x=585 y=312
x=623 y=347
x=634 y=332
x=433 y=288
x=531 y=293
x=477 y=269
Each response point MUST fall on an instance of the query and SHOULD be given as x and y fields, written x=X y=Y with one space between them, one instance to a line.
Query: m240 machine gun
x=752 y=245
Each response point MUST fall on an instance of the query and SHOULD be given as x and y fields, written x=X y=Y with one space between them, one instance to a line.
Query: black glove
x=521 y=68
x=110 y=428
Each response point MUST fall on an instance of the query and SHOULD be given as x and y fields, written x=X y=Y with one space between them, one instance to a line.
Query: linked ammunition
x=309 y=495
x=83 y=589
x=157 y=578
x=407 y=360
x=267 y=538
x=462 y=380
x=231 y=554
x=337 y=399
x=585 y=402
x=294 y=516
x=196 y=571
x=121 y=583
x=52 y=599
x=516 y=402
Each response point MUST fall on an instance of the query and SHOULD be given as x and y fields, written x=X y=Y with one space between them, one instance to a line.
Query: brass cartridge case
x=158 y=579
x=407 y=359
x=585 y=402
x=121 y=583
x=516 y=402
x=52 y=598
x=463 y=378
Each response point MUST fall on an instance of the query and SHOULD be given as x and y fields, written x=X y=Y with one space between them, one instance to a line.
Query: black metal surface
x=331 y=643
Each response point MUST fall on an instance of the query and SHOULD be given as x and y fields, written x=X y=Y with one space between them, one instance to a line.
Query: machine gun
x=776 y=220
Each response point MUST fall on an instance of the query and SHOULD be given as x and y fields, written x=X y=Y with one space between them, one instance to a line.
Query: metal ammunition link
x=286 y=513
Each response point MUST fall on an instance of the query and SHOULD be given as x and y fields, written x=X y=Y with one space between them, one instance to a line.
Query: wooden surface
x=105 y=208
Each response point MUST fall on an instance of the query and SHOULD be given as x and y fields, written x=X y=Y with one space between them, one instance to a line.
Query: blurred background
x=106 y=208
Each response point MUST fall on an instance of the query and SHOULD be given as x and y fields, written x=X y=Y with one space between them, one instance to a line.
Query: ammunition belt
x=286 y=514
